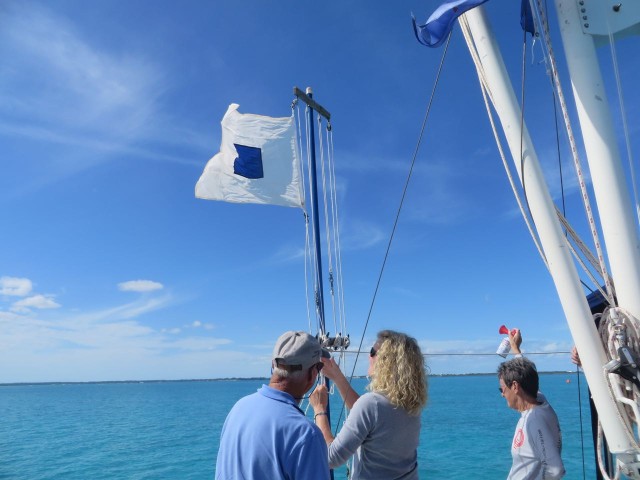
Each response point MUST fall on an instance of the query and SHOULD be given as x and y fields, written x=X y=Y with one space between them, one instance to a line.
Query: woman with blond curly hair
x=383 y=428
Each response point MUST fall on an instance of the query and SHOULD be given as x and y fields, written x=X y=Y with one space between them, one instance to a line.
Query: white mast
x=554 y=244
x=609 y=184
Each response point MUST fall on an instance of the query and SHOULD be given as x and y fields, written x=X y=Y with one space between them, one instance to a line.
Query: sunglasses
x=319 y=366
x=502 y=389
x=373 y=352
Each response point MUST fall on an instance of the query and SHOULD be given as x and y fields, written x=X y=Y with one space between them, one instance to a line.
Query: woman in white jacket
x=537 y=442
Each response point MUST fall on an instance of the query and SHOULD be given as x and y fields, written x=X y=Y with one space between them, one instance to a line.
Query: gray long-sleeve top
x=384 y=439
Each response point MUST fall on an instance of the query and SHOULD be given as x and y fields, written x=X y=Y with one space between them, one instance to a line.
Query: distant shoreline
x=241 y=379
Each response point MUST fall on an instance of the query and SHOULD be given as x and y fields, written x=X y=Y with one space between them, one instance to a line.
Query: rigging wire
x=586 y=252
x=486 y=92
x=466 y=354
x=336 y=227
x=327 y=168
x=397 y=218
x=557 y=130
x=549 y=57
x=617 y=328
x=623 y=112
x=584 y=473
x=335 y=230
x=295 y=106
x=522 y=105
x=327 y=190
x=327 y=218
x=316 y=280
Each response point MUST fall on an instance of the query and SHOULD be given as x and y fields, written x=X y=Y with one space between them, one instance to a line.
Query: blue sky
x=110 y=269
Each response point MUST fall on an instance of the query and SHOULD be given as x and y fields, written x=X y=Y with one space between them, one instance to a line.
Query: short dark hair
x=522 y=371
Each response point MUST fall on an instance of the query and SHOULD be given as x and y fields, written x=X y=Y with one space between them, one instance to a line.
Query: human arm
x=575 y=357
x=515 y=339
x=358 y=426
x=319 y=400
x=553 y=468
x=332 y=371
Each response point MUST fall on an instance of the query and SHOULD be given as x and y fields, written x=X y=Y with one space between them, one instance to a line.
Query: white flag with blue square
x=258 y=162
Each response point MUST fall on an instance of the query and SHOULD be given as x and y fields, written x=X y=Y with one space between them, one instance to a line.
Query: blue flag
x=248 y=163
x=440 y=23
x=526 y=18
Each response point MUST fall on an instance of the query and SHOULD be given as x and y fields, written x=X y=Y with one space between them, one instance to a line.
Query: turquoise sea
x=170 y=430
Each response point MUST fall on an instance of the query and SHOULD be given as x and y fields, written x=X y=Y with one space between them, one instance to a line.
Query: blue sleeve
x=359 y=423
x=310 y=457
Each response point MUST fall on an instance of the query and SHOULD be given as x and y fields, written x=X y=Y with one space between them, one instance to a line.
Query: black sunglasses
x=501 y=389
x=373 y=352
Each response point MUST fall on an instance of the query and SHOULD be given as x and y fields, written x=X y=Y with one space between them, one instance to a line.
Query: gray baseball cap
x=298 y=348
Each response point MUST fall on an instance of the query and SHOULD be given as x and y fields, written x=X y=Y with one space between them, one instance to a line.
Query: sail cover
x=258 y=162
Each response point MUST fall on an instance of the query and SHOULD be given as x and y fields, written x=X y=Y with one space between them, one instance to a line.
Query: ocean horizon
x=168 y=429
x=231 y=379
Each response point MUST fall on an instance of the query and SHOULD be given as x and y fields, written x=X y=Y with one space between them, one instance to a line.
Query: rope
x=484 y=88
x=310 y=250
x=584 y=473
x=571 y=234
x=623 y=112
x=326 y=166
x=342 y=321
x=551 y=62
x=557 y=130
x=522 y=105
x=395 y=223
x=466 y=354
x=327 y=217
x=315 y=247
x=586 y=270
x=617 y=329
x=526 y=214
x=295 y=106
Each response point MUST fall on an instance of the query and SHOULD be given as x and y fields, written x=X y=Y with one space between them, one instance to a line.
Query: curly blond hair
x=400 y=373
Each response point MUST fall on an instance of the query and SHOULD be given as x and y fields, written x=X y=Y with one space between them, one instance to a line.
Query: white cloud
x=35 y=301
x=61 y=88
x=467 y=347
x=68 y=78
x=8 y=316
x=18 y=287
x=287 y=253
x=106 y=344
x=172 y=331
x=194 y=344
x=140 y=286
x=199 y=324
x=361 y=234
x=126 y=311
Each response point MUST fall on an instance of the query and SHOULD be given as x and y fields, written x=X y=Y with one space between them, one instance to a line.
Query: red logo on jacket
x=518 y=439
